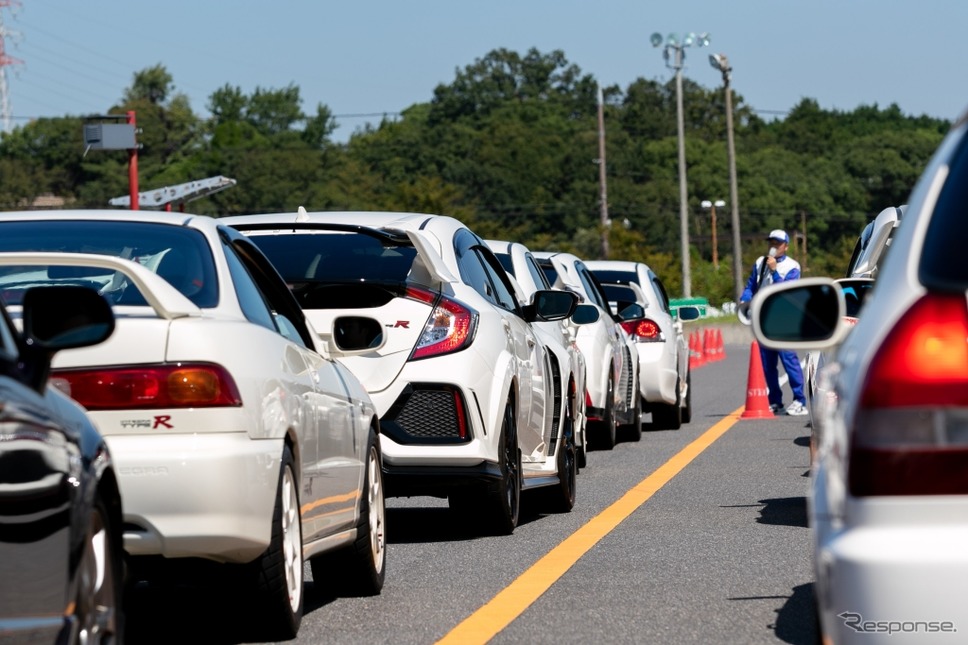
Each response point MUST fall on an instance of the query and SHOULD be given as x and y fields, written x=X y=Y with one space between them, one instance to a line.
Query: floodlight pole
x=721 y=62
x=673 y=45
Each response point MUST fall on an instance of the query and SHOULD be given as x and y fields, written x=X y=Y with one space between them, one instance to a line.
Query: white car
x=888 y=502
x=236 y=441
x=665 y=381
x=610 y=355
x=558 y=337
x=464 y=388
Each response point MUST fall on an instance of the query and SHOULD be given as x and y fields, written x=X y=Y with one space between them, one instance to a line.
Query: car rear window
x=617 y=277
x=941 y=265
x=336 y=257
x=180 y=255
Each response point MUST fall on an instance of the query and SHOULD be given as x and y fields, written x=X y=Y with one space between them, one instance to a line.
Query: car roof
x=373 y=219
x=165 y=217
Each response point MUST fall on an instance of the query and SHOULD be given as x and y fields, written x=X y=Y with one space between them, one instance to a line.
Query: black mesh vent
x=427 y=414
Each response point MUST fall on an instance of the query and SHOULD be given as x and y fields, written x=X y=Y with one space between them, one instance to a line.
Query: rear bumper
x=906 y=582
x=657 y=375
x=197 y=495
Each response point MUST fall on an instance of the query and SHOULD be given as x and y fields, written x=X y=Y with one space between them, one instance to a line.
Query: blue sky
x=364 y=57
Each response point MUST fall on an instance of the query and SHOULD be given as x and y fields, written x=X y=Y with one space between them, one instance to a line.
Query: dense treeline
x=510 y=146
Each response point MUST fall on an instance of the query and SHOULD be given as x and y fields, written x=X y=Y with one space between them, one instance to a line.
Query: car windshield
x=328 y=257
x=180 y=255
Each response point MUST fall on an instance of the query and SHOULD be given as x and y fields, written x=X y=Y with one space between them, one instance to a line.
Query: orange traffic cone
x=757 y=401
x=696 y=358
x=720 y=347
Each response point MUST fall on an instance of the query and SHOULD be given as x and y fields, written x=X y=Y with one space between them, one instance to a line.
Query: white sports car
x=558 y=337
x=462 y=385
x=235 y=440
x=665 y=382
x=612 y=377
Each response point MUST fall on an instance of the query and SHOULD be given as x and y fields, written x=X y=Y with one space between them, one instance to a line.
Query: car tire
x=686 y=414
x=504 y=501
x=633 y=431
x=560 y=498
x=668 y=416
x=605 y=430
x=100 y=580
x=360 y=569
x=278 y=572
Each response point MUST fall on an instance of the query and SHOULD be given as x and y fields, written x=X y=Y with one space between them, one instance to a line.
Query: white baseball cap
x=779 y=235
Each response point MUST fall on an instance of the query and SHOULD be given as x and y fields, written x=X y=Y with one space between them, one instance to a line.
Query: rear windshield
x=617 y=277
x=180 y=255
x=336 y=257
x=944 y=242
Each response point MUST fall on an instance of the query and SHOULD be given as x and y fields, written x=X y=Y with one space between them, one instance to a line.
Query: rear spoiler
x=166 y=300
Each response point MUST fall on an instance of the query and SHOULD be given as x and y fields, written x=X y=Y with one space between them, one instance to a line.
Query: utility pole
x=601 y=173
x=5 y=61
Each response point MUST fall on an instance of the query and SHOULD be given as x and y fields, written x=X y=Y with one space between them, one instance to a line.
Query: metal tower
x=5 y=60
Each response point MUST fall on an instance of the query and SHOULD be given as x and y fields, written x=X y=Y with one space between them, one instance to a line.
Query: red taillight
x=910 y=434
x=449 y=328
x=186 y=385
x=588 y=406
x=461 y=414
x=644 y=330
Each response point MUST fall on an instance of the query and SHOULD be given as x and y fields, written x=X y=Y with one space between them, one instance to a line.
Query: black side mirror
x=550 y=304
x=585 y=314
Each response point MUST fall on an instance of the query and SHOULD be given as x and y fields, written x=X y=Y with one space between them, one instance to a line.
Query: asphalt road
x=690 y=536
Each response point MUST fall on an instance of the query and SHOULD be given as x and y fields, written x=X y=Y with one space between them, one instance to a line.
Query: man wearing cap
x=777 y=266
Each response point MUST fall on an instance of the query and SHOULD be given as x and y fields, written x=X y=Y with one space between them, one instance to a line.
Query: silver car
x=888 y=502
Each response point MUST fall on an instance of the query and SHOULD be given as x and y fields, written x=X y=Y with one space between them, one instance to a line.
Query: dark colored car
x=61 y=561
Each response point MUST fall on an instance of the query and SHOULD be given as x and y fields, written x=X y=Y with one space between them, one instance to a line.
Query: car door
x=482 y=271
x=310 y=389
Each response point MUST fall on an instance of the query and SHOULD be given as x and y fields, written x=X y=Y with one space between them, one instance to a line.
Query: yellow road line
x=489 y=620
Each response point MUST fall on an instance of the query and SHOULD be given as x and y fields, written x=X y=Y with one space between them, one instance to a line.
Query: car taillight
x=643 y=330
x=449 y=328
x=910 y=435
x=185 y=385
x=590 y=416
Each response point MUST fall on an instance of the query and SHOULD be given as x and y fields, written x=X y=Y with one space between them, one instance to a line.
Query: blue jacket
x=786 y=269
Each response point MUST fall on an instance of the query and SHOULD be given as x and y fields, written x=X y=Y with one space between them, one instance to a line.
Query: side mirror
x=803 y=314
x=688 y=313
x=585 y=314
x=56 y=318
x=551 y=304
x=65 y=317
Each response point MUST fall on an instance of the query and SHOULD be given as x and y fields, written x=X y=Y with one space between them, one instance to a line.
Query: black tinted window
x=941 y=266
x=335 y=257
x=180 y=255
